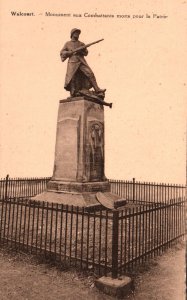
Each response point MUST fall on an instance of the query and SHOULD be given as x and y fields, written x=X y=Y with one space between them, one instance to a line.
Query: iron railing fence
x=146 y=231
x=147 y=192
x=68 y=233
x=22 y=187
x=130 y=190
x=104 y=240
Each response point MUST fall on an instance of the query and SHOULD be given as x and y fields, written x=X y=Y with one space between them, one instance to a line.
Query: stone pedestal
x=79 y=153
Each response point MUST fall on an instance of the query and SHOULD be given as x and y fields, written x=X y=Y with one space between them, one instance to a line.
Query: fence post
x=133 y=189
x=6 y=187
x=115 y=232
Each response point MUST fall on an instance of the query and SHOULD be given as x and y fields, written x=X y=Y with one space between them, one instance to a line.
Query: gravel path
x=21 y=277
x=165 y=280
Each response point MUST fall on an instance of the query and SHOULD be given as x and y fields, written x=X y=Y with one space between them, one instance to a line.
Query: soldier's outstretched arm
x=85 y=52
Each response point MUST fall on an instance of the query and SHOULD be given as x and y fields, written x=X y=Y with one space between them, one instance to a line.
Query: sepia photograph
x=93 y=150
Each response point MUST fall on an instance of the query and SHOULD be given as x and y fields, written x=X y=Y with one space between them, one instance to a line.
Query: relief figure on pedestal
x=96 y=152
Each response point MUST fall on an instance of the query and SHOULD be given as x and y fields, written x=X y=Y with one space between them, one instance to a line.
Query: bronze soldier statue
x=79 y=76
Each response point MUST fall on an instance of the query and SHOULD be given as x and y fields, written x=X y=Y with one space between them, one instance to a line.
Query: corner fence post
x=115 y=232
x=6 y=187
x=133 y=189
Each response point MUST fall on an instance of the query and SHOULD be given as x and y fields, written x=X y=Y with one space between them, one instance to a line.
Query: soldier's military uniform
x=79 y=75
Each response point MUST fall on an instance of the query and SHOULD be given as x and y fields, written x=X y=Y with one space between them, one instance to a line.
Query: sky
x=141 y=62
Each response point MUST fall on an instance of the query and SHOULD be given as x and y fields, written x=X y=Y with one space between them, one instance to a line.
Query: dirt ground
x=24 y=277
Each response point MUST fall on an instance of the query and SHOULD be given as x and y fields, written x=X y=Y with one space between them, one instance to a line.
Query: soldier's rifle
x=63 y=57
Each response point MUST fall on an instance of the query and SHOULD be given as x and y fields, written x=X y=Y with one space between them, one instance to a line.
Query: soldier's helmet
x=73 y=30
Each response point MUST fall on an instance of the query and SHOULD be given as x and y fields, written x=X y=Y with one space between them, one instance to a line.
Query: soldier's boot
x=95 y=85
x=73 y=89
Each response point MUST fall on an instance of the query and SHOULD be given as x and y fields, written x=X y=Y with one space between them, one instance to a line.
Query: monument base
x=88 y=194
x=80 y=187
x=84 y=199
